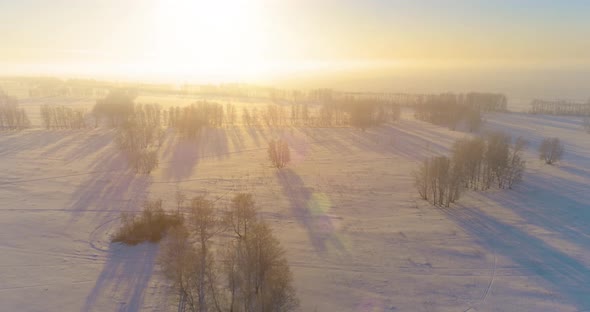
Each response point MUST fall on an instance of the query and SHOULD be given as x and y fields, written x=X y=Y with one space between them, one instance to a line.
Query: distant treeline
x=334 y=113
x=452 y=110
x=119 y=106
x=560 y=108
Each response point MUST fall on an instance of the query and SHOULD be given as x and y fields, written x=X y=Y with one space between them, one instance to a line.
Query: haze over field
x=524 y=48
x=295 y=155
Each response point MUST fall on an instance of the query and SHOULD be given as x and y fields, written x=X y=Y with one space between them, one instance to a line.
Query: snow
x=357 y=236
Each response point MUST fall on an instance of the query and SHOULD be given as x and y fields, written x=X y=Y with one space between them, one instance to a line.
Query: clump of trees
x=140 y=137
x=148 y=226
x=358 y=112
x=140 y=142
x=62 y=117
x=279 y=153
x=477 y=164
x=117 y=107
x=437 y=180
x=551 y=150
x=12 y=117
x=275 y=116
x=246 y=271
x=190 y=120
x=452 y=110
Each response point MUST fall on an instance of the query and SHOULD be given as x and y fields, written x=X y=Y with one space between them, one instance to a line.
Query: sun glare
x=222 y=38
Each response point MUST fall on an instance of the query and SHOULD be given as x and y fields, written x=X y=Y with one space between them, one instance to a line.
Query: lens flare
x=371 y=304
x=325 y=224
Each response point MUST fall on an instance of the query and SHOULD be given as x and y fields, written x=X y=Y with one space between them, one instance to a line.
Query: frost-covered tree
x=438 y=181
x=516 y=164
x=257 y=274
x=251 y=273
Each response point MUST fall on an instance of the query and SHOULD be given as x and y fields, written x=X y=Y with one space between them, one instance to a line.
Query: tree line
x=560 y=107
x=476 y=163
x=345 y=112
x=62 y=117
x=453 y=110
x=190 y=120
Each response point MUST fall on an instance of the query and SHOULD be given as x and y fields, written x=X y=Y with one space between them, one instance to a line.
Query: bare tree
x=496 y=158
x=278 y=153
x=257 y=274
x=516 y=164
x=242 y=214
x=180 y=198
x=265 y=273
x=177 y=258
x=551 y=150
x=421 y=179
x=205 y=224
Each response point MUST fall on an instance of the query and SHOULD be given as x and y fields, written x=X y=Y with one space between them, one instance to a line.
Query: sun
x=221 y=39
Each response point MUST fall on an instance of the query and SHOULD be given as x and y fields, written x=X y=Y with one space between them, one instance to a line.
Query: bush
x=150 y=225
x=551 y=150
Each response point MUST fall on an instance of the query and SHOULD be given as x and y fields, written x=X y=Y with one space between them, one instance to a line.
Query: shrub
x=150 y=225
x=551 y=150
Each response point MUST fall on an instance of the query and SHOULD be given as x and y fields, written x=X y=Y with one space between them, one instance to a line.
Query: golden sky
x=252 y=40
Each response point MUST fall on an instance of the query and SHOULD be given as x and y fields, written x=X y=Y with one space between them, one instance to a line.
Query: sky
x=257 y=40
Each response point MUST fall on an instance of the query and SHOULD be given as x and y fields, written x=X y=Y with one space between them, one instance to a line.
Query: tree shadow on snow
x=562 y=207
x=319 y=226
x=14 y=143
x=124 y=278
x=110 y=188
x=185 y=154
x=562 y=272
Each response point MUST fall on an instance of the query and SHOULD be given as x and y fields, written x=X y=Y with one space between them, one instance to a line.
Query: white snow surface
x=357 y=236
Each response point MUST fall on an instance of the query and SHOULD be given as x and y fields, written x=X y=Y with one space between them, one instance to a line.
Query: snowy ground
x=357 y=236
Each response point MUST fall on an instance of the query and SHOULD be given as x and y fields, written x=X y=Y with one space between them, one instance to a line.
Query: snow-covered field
x=357 y=236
